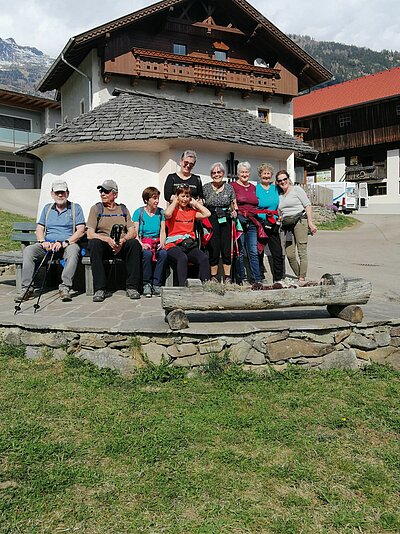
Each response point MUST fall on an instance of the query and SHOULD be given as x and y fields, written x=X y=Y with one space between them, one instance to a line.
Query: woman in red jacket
x=180 y=244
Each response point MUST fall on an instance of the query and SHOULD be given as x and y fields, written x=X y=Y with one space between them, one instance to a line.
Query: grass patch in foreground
x=339 y=223
x=6 y=225
x=82 y=450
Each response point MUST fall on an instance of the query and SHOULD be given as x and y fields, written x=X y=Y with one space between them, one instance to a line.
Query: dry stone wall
x=350 y=347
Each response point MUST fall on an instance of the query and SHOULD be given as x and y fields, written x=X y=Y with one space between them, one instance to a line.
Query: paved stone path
x=370 y=251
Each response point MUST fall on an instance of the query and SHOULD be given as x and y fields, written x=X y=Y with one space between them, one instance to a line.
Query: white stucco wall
x=389 y=203
x=76 y=88
x=340 y=169
x=134 y=170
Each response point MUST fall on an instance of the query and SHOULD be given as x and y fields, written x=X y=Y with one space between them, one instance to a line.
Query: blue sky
x=48 y=24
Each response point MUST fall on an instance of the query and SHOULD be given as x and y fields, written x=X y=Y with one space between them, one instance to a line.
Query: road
x=371 y=250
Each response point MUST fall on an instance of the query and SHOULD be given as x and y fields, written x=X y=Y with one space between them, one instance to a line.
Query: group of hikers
x=201 y=226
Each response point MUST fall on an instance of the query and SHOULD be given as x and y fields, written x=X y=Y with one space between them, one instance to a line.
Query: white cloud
x=48 y=25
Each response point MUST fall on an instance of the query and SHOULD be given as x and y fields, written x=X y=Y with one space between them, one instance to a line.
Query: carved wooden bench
x=340 y=295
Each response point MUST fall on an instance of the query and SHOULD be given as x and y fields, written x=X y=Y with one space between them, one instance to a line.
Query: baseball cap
x=108 y=184
x=59 y=185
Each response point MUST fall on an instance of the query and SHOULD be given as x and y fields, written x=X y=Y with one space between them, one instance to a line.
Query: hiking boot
x=157 y=291
x=65 y=294
x=147 y=291
x=23 y=295
x=99 y=296
x=133 y=293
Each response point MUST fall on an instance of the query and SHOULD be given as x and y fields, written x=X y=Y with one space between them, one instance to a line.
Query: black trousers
x=220 y=242
x=180 y=260
x=131 y=252
x=275 y=246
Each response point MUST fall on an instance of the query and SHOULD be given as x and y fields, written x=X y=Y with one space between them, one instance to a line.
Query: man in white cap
x=59 y=228
x=111 y=234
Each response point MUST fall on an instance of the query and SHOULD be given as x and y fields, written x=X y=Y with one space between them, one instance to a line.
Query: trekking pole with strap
x=37 y=306
x=18 y=305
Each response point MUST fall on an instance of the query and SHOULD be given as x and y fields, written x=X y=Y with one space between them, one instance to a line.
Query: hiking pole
x=115 y=234
x=18 y=305
x=37 y=306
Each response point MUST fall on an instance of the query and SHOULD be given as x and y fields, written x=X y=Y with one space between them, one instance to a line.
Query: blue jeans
x=156 y=277
x=248 y=243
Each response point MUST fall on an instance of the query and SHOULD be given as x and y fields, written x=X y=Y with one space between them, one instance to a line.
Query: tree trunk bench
x=340 y=295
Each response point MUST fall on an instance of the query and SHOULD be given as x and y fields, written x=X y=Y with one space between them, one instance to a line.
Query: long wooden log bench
x=340 y=295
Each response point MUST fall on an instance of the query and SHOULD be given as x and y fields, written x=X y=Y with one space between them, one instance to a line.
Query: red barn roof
x=376 y=86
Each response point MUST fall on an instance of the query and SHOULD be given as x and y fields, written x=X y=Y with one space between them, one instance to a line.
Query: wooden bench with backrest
x=24 y=232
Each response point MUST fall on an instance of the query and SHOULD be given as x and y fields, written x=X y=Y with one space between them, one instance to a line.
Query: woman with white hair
x=219 y=198
x=247 y=203
x=184 y=177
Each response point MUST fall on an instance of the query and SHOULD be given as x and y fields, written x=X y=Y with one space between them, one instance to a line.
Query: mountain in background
x=22 y=67
x=347 y=61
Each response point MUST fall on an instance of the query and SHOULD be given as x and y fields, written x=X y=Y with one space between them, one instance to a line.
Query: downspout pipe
x=82 y=74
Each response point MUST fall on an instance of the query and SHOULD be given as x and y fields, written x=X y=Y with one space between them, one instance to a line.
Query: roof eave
x=316 y=74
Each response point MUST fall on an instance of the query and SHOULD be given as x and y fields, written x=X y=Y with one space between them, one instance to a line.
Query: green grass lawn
x=6 y=224
x=81 y=450
x=339 y=223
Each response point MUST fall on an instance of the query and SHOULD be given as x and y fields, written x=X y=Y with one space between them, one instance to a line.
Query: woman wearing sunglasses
x=184 y=177
x=296 y=212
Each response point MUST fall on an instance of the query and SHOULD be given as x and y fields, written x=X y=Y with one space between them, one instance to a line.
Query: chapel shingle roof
x=132 y=116
x=385 y=84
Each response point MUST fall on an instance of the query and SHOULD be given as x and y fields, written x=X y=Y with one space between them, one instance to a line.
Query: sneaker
x=23 y=295
x=214 y=279
x=157 y=291
x=99 y=296
x=147 y=291
x=133 y=293
x=65 y=294
x=227 y=280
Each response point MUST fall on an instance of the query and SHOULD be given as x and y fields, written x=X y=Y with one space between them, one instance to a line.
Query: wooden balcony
x=192 y=70
x=356 y=173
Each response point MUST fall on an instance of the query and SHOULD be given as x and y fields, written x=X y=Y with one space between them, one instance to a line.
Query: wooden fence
x=319 y=195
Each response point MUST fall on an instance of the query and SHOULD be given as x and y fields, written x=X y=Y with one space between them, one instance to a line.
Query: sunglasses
x=105 y=191
x=282 y=181
x=188 y=164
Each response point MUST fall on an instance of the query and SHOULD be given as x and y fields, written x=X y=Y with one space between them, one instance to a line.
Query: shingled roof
x=133 y=116
x=308 y=70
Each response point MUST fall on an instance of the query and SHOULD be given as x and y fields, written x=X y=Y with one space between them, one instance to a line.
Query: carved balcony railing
x=141 y=63
x=359 y=173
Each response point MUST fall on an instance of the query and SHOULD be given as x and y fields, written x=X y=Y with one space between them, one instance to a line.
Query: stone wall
x=323 y=214
x=350 y=347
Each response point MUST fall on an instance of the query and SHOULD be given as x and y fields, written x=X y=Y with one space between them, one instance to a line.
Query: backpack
x=141 y=219
x=100 y=212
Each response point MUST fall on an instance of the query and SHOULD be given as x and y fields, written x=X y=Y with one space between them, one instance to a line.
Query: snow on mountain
x=21 y=67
